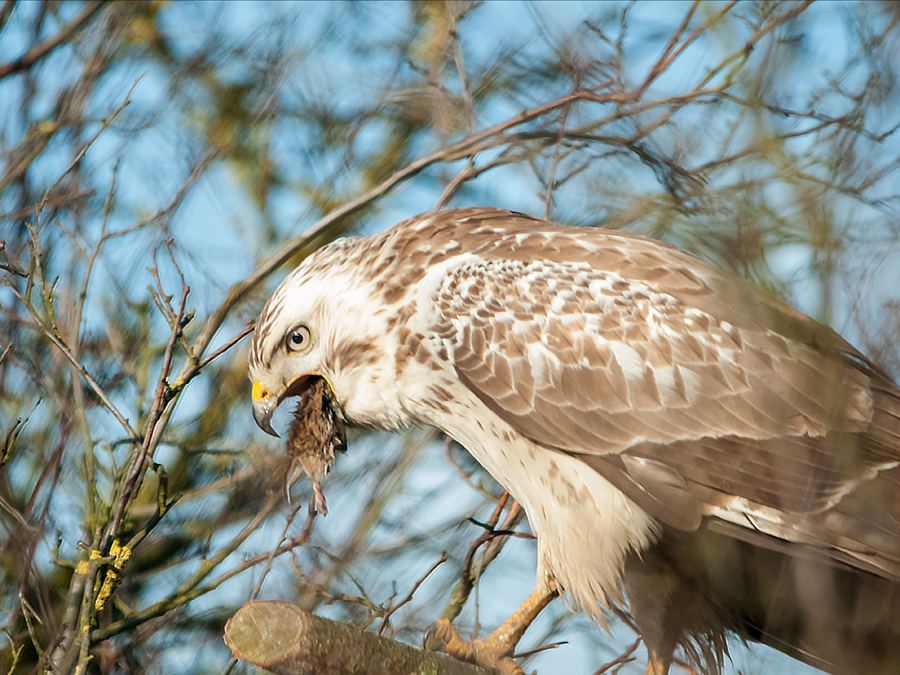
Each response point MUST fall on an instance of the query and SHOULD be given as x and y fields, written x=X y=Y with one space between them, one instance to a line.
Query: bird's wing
x=597 y=356
x=691 y=391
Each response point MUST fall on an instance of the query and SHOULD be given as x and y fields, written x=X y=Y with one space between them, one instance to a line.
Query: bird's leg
x=494 y=653
x=656 y=666
x=319 y=497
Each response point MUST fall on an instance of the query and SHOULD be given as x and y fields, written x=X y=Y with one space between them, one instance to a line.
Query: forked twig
x=386 y=619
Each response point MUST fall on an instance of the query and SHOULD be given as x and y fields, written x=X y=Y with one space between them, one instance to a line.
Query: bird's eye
x=298 y=339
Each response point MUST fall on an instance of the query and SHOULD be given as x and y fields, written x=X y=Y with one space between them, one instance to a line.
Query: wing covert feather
x=690 y=390
x=624 y=360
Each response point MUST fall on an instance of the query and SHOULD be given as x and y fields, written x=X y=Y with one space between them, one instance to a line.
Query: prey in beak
x=265 y=403
x=316 y=433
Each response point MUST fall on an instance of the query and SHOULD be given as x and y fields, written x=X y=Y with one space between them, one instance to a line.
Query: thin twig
x=64 y=349
x=287 y=525
x=408 y=598
x=539 y=650
x=199 y=169
x=104 y=125
x=245 y=331
x=622 y=659
x=54 y=201
x=10 y=265
x=448 y=455
x=458 y=58
x=666 y=58
x=463 y=589
x=470 y=172
x=548 y=195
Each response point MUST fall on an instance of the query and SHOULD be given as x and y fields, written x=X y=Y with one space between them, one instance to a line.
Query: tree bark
x=285 y=640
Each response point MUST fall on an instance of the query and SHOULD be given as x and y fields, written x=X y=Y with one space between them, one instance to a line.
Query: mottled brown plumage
x=316 y=433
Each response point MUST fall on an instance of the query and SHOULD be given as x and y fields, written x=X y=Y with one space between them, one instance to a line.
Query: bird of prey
x=315 y=434
x=686 y=447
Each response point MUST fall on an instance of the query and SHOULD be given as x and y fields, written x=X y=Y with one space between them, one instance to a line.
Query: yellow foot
x=492 y=654
x=656 y=666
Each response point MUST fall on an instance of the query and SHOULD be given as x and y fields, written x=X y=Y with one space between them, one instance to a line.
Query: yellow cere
x=260 y=393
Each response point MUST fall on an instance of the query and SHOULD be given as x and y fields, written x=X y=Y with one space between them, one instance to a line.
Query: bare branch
x=42 y=49
x=668 y=56
x=240 y=290
x=53 y=336
x=153 y=429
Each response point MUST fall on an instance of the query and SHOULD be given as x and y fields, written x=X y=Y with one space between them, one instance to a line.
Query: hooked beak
x=265 y=403
x=262 y=413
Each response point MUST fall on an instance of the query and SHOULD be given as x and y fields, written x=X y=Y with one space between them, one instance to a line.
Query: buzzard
x=686 y=447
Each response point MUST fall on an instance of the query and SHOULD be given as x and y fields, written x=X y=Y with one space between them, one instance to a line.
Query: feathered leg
x=656 y=666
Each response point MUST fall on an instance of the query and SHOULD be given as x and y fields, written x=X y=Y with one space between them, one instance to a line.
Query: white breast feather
x=566 y=501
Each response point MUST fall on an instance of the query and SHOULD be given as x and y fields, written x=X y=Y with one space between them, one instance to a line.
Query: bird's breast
x=585 y=527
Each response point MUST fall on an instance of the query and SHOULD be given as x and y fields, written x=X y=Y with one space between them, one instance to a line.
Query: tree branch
x=42 y=49
x=285 y=640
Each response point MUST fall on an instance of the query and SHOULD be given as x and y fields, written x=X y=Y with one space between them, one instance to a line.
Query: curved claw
x=495 y=652
x=492 y=655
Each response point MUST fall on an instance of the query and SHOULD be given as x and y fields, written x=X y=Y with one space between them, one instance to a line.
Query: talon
x=454 y=645
x=492 y=655
x=495 y=652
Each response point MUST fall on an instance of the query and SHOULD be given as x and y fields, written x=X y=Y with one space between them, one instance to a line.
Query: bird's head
x=287 y=367
x=322 y=321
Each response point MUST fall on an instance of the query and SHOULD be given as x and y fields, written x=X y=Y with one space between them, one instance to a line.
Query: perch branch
x=285 y=640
